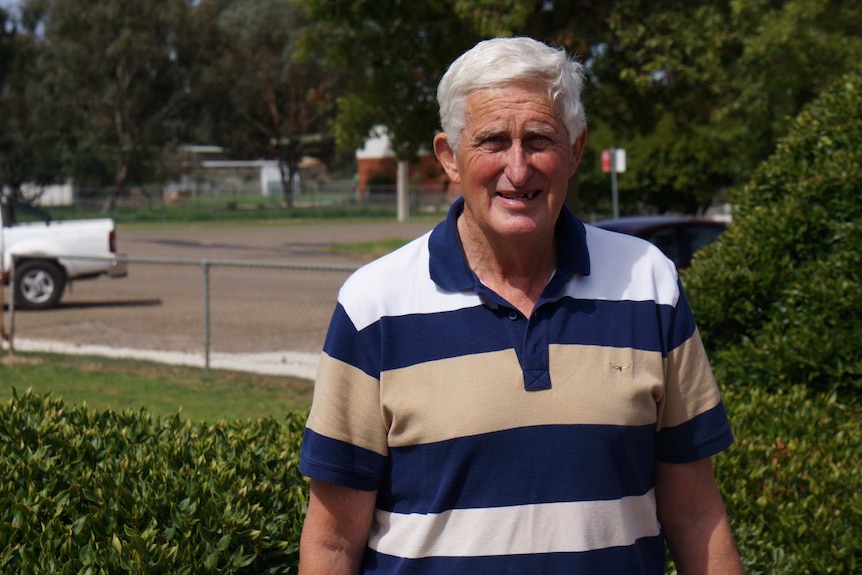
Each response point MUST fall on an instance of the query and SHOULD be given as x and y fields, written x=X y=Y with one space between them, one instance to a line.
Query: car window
x=19 y=212
x=668 y=242
x=702 y=236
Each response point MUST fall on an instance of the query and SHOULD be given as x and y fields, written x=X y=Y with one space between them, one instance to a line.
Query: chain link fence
x=256 y=316
x=222 y=202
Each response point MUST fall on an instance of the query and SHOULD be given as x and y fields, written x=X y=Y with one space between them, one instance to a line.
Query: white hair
x=503 y=61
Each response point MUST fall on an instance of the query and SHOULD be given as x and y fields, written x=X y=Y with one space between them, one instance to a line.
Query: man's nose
x=517 y=165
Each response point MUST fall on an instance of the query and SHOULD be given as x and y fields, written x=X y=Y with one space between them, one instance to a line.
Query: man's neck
x=517 y=270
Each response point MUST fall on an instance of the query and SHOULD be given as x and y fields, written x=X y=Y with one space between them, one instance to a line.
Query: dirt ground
x=159 y=306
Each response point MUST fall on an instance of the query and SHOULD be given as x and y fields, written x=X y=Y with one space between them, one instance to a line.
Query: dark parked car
x=678 y=237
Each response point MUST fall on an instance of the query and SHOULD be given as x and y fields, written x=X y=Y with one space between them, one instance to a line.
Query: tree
x=779 y=298
x=697 y=92
x=8 y=53
x=258 y=100
x=393 y=54
x=118 y=70
x=30 y=130
x=731 y=75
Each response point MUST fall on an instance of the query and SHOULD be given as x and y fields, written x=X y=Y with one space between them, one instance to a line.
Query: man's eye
x=492 y=142
x=540 y=142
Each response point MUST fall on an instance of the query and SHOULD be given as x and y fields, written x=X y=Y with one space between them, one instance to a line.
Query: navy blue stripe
x=645 y=557
x=414 y=339
x=356 y=467
x=343 y=343
x=521 y=466
x=682 y=324
x=698 y=438
x=622 y=324
x=571 y=236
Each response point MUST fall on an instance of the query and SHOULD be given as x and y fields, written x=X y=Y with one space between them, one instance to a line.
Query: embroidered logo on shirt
x=620 y=368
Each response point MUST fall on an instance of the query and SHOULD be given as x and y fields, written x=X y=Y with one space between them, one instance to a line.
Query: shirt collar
x=449 y=268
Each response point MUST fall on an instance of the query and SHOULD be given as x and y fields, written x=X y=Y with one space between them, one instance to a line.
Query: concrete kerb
x=289 y=363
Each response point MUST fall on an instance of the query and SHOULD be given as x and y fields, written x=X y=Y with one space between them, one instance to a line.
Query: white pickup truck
x=50 y=254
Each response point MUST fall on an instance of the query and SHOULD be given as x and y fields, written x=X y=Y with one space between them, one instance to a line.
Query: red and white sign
x=619 y=160
x=606 y=161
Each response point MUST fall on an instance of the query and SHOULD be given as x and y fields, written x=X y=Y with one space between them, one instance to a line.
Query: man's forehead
x=516 y=99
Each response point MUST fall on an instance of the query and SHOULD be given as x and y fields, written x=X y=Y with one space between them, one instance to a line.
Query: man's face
x=513 y=161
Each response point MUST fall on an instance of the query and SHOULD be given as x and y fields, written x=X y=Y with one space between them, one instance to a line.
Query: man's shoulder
x=398 y=284
x=389 y=273
x=628 y=267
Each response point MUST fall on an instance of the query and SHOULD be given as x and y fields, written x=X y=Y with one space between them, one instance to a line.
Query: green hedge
x=779 y=298
x=128 y=493
x=104 y=493
x=791 y=482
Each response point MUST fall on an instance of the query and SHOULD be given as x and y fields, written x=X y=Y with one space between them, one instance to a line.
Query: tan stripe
x=346 y=406
x=691 y=388
x=444 y=399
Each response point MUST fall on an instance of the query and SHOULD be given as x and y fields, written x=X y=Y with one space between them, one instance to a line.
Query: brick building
x=376 y=163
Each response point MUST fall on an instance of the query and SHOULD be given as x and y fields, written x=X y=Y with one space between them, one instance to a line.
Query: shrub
x=791 y=482
x=779 y=299
x=86 y=492
x=112 y=493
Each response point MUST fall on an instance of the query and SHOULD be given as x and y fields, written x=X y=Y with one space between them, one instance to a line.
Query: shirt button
x=513 y=315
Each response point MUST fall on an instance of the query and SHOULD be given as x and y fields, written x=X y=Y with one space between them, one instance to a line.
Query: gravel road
x=261 y=319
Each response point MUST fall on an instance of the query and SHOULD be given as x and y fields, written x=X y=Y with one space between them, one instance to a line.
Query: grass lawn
x=118 y=385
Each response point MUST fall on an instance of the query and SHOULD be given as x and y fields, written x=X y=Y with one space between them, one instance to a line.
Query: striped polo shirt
x=500 y=443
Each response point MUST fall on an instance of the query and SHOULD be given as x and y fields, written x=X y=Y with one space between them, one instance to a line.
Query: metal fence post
x=206 y=270
x=12 y=287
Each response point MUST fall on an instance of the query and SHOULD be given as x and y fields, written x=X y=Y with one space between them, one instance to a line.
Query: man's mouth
x=522 y=197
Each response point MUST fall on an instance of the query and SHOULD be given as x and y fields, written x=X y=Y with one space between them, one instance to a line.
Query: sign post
x=614 y=161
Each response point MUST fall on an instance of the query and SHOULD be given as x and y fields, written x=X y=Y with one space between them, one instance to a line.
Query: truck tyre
x=39 y=284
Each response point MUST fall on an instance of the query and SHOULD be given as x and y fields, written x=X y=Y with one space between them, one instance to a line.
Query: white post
x=403 y=194
x=614 y=194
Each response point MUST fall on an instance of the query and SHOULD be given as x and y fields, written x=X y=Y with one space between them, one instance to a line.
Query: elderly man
x=514 y=392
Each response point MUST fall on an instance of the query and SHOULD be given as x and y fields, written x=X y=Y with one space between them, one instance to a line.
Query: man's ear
x=446 y=156
x=578 y=152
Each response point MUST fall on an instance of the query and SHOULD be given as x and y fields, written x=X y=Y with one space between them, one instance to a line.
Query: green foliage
x=742 y=68
x=31 y=132
x=106 y=492
x=494 y=17
x=258 y=99
x=89 y=492
x=780 y=298
x=106 y=78
x=697 y=92
x=392 y=55
x=678 y=167
x=791 y=483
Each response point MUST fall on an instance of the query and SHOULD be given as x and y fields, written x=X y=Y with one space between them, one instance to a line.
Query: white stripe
x=523 y=529
x=625 y=268
x=398 y=284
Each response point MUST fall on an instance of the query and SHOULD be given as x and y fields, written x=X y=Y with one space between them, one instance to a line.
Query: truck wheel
x=39 y=284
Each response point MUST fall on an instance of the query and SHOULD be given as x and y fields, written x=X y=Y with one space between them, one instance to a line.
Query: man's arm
x=694 y=519
x=335 y=532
